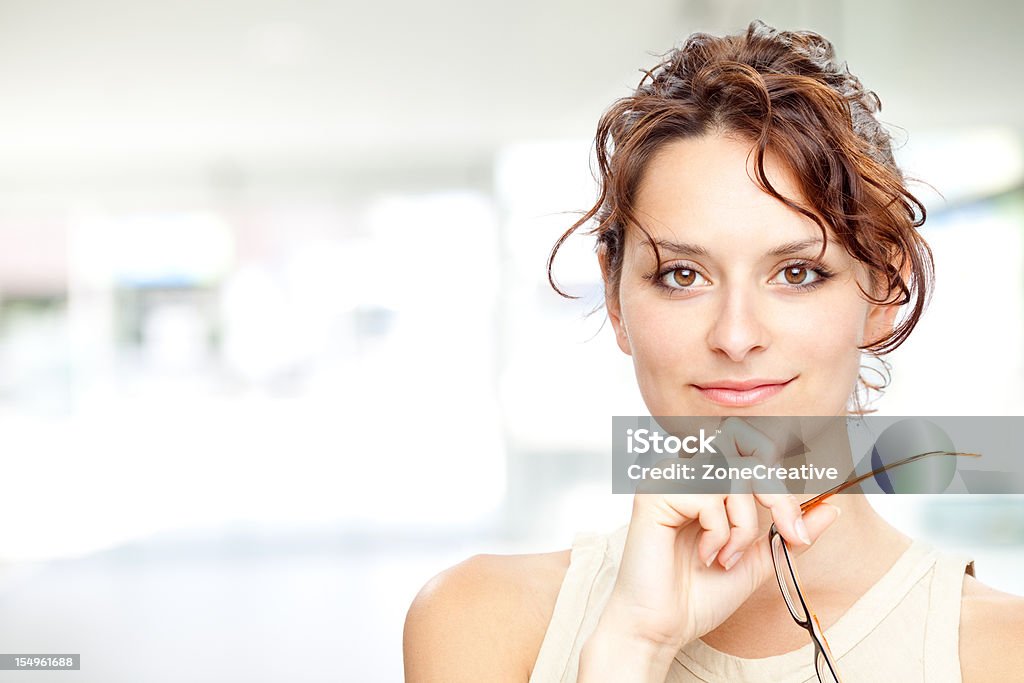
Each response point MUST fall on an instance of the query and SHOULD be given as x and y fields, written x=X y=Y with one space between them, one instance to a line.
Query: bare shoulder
x=483 y=619
x=991 y=633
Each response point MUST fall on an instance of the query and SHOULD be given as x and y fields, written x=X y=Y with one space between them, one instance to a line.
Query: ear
x=880 y=322
x=612 y=303
x=881 y=319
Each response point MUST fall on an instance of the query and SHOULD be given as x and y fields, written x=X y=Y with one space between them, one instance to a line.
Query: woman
x=754 y=236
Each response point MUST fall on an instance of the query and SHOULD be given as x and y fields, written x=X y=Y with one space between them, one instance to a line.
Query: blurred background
x=276 y=340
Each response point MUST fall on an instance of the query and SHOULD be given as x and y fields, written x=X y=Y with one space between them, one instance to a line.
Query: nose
x=737 y=329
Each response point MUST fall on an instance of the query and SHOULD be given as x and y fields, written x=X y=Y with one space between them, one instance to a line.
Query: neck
x=860 y=532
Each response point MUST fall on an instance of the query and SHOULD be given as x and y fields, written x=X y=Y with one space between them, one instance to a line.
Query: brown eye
x=802 y=276
x=681 y=279
x=795 y=275
x=684 y=277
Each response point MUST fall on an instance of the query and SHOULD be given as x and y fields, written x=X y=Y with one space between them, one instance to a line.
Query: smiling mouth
x=750 y=394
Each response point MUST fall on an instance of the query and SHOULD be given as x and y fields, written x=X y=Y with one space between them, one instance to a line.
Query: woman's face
x=739 y=317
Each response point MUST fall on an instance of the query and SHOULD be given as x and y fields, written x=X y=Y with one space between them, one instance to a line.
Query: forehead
x=702 y=189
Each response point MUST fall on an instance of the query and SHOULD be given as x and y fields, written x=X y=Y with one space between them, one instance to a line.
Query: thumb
x=818 y=519
x=760 y=564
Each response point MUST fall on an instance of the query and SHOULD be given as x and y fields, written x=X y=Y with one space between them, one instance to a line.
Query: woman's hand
x=690 y=560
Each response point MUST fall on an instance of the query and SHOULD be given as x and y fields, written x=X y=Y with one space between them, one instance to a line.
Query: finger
x=672 y=510
x=818 y=520
x=715 y=534
x=757 y=560
x=743 y=446
x=787 y=516
x=748 y=441
x=772 y=485
x=742 y=512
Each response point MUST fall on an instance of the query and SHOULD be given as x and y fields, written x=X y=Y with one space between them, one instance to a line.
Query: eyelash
x=824 y=275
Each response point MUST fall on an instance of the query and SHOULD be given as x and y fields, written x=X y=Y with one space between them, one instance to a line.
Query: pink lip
x=746 y=393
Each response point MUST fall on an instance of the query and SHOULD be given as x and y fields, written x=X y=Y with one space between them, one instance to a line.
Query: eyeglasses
x=789 y=584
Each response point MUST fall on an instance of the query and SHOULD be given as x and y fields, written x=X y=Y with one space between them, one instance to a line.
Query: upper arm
x=480 y=620
x=991 y=634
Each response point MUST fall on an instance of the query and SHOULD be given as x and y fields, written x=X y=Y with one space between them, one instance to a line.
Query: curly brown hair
x=783 y=91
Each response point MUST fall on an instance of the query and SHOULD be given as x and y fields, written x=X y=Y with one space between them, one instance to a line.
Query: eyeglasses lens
x=786 y=580
x=824 y=672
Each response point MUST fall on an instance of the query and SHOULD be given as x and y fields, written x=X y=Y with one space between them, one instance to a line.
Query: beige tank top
x=904 y=628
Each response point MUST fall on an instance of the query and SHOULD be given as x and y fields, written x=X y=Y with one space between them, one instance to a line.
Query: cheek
x=665 y=349
x=827 y=336
x=659 y=335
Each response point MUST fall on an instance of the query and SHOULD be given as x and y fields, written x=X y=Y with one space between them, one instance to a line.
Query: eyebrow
x=690 y=249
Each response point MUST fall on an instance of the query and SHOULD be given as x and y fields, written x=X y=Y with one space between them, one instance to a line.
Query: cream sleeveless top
x=904 y=628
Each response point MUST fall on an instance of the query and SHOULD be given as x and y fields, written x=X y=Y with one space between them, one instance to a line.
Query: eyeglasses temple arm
x=807 y=504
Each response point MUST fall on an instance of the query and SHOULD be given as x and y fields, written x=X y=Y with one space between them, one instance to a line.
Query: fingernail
x=801 y=531
x=733 y=560
x=713 y=558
